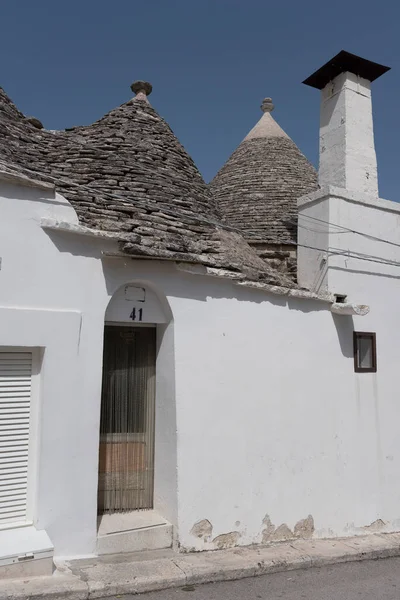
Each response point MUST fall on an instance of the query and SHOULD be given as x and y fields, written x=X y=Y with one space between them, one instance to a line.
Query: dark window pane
x=365 y=353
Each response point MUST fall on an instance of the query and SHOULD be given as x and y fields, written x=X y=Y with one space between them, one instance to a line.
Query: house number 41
x=136 y=315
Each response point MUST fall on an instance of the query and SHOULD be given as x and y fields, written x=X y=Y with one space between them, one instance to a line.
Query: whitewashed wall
x=258 y=405
x=278 y=421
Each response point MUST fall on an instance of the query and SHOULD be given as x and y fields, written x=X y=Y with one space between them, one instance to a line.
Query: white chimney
x=347 y=156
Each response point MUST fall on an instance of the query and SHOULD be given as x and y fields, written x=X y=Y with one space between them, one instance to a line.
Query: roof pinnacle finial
x=267 y=105
x=142 y=89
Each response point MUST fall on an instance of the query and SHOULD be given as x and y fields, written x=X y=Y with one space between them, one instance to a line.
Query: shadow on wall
x=344 y=328
x=372 y=271
x=329 y=109
x=16 y=192
x=173 y=281
x=80 y=245
x=306 y=306
x=177 y=282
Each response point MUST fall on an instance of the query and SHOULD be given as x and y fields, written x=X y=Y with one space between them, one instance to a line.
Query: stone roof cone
x=257 y=189
x=129 y=176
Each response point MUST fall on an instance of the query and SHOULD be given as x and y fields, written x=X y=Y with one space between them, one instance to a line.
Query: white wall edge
x=331 y=191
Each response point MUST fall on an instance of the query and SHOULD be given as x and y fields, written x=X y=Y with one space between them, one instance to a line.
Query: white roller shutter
x=15 y=404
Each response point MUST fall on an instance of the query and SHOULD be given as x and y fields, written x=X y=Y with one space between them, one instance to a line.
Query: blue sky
x=211 y=62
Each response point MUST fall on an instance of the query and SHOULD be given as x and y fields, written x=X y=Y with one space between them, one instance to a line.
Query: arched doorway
x=128 y=401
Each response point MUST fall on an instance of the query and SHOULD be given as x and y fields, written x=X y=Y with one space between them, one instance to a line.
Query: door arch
x=138 y=303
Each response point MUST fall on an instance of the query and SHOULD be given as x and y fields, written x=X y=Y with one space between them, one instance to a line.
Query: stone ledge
x=135 y=573
x=20 y=179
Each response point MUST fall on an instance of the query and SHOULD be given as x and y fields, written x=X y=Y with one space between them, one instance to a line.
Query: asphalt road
x=367 y=580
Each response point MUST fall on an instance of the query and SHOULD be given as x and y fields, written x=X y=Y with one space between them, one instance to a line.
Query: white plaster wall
x=269 y=417
x=375 y=284
x=276 y=422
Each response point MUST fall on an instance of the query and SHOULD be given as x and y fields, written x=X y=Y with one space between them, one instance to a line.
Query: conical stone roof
x=128 y=175
x=257 y=189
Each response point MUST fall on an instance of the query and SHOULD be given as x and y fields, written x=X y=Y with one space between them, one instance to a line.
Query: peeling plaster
x=271 y=533
x=202 y=530
x=268 y=531
x=305 y=528
x=377 y=525
x=226 y=540
x=282 y=533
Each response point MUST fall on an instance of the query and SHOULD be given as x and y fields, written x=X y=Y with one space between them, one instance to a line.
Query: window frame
x=371 y=336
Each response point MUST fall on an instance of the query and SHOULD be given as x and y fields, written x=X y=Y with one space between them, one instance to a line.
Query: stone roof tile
x=128 y=174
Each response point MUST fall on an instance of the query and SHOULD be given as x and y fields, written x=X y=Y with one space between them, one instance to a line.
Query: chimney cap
x=342 y=62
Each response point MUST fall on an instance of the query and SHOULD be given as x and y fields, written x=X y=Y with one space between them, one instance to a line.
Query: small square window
x=364 y=352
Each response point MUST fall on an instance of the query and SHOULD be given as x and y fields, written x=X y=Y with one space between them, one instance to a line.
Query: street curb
x=117 y=575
